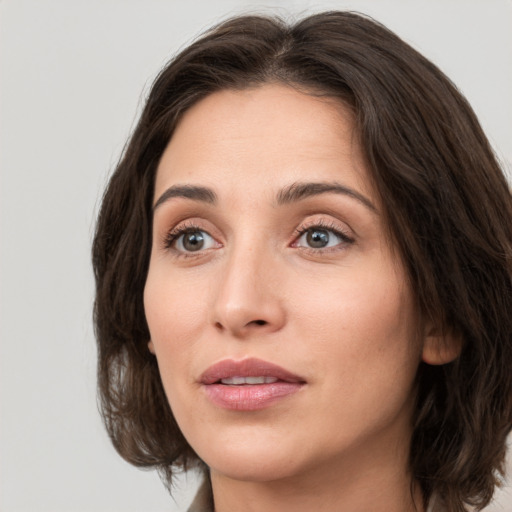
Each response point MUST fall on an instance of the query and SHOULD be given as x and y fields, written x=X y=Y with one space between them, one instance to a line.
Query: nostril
x=260 y=322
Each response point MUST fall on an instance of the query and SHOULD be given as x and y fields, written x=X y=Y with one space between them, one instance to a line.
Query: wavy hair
x=448 y=210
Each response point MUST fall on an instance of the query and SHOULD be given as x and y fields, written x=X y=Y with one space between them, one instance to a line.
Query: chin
x=254 y=470
x=251 y=459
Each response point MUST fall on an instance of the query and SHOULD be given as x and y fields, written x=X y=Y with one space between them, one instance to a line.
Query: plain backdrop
x=72 y=77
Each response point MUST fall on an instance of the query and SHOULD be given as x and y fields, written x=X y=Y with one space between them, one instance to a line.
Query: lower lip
x=250 y=397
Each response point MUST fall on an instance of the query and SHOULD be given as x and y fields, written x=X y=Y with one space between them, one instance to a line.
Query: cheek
x=364 y=320
x=359 y=336
x=172 y=304
x=176 y=312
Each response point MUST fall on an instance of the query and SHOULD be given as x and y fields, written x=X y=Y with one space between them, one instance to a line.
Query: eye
x=319 y=237
x=190 y=240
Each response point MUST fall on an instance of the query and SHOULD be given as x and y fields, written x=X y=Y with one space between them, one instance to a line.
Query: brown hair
x=448 y=208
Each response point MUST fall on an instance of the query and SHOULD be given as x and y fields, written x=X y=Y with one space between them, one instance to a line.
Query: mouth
x=249 y=384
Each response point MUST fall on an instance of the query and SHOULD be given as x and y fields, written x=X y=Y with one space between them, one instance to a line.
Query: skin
x=341 y=317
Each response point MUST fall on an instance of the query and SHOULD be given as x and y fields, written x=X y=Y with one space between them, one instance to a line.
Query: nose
x=249 y=298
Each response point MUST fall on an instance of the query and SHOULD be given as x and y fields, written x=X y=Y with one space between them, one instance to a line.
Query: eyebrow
x=300 y=190
x=193 y=192
x=290 y=194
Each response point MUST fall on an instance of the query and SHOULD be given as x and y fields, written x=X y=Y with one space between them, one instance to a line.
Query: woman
x=303 y=267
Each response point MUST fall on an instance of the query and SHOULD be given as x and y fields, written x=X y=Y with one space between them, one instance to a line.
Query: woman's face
x=280 y=316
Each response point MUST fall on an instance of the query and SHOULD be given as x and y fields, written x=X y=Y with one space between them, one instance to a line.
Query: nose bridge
x=247 y=295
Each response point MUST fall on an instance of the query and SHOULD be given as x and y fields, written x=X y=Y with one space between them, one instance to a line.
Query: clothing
x=203 y=501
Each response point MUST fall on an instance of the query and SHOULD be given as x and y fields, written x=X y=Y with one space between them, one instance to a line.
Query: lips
x=249 y=384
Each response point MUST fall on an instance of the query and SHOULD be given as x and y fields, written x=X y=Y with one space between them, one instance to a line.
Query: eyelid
x=327 y=224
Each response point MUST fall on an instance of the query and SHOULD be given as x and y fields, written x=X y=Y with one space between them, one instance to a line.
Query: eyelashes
x=189 y=239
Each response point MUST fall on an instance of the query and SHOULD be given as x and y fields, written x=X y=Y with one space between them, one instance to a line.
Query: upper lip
x=251 y=367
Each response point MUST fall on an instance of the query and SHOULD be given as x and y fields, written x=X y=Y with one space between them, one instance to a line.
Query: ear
x=440 y=347
x=151 y=347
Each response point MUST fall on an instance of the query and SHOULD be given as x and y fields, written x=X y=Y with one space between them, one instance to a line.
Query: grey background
x=72 y=73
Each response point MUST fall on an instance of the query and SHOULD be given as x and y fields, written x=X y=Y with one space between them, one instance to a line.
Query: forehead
x=267 y=135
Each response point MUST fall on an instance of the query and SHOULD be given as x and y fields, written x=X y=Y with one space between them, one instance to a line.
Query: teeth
x=238 y=381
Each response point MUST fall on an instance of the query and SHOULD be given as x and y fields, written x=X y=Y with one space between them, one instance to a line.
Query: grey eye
x=193 y=241
x=317 y=238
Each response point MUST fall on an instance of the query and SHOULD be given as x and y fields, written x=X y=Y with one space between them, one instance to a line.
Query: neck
x=325 y=497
